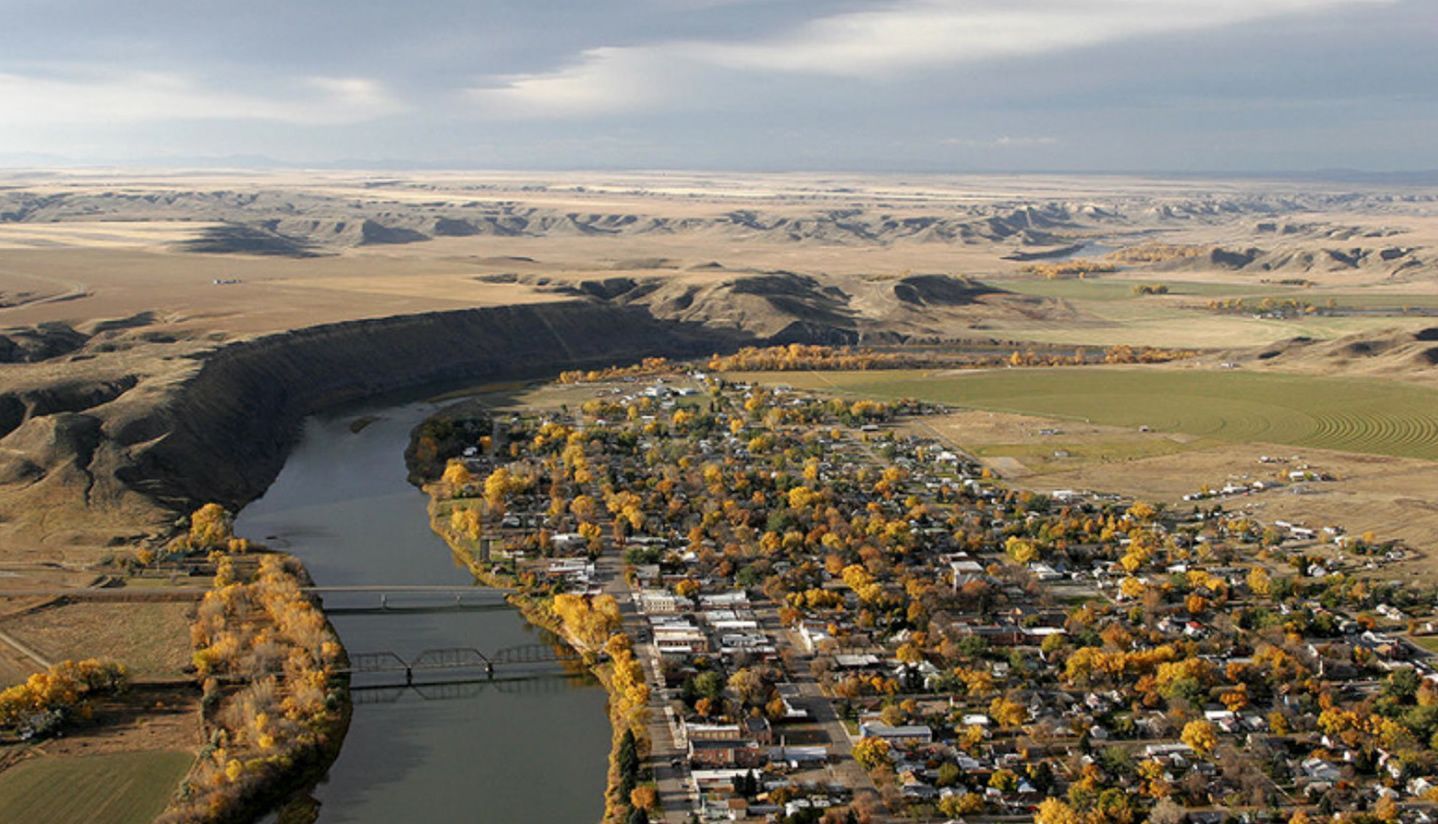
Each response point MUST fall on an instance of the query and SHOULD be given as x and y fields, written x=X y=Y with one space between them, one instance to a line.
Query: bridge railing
x=456 y=658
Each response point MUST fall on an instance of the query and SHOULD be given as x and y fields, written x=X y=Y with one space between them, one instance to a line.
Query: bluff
x=216 y=424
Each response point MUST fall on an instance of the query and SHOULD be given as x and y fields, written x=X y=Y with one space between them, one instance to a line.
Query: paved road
x=821 y=709
x=675 y=797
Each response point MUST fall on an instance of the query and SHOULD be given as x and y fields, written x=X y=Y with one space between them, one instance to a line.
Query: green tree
x=710 y=684
x=948 y=774
x=628 y=761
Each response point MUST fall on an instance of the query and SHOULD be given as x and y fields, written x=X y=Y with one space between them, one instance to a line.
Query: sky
x=759 y=85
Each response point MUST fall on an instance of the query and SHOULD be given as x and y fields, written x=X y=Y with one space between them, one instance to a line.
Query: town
x=839 y=619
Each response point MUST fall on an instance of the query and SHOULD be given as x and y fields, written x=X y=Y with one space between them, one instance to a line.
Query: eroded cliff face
x=99 y=452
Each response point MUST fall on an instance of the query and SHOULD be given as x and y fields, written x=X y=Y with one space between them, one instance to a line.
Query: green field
x=1352 y=414
x=1394 y=301
x=1111 y=313
x=117 y=788
x=1106 y=289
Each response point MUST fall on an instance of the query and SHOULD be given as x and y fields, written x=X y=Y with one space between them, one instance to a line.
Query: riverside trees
x=267 y=658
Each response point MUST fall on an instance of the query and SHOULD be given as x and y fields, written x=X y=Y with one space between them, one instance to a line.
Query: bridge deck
x=194 y=592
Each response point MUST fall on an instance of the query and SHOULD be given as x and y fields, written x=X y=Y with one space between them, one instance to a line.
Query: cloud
x=901 y=37
x=91 y=95
x=1005 y=142
x=603 y=81
x=927 y=33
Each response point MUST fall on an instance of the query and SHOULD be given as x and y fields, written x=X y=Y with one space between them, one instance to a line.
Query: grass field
x=1121 y=289
x=1113 y=449
x=117 y=788
x=1428 y=642
x=152 y=639
x=1111 y=313
x=1356 y=300
x=1106 y=289
x=1167 y=323
x=1350 y=414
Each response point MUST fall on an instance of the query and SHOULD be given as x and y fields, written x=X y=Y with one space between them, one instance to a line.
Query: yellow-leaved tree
x=1056 y=811
x=589 y=621
x=456 y=474
x=1200 y=735
x=210 y=527
x=871 y=752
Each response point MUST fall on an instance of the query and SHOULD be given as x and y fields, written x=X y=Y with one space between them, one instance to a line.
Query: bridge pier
x=409 y=676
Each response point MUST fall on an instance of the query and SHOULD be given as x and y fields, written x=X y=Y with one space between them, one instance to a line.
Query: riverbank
x=613 y=664
x=343 y=505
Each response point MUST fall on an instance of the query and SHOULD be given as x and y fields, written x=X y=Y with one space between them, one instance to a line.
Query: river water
x=531 y=751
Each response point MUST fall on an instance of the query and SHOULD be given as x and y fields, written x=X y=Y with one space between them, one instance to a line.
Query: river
x=517 y=752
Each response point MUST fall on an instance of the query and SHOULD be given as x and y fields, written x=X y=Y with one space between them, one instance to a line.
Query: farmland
x=1121 y=289
x=1355 y=415
x=1196 y=292
x=151 y=638
x=117 y=787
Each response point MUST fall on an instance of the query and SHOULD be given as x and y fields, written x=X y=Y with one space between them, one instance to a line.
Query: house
x=1045 y=572
x=812 y=634
x=567 y=541
x=1390 y=612
x=1316 y=769
x=965 y=570
x=903 y=734
x=856 y=662
x=923 y=672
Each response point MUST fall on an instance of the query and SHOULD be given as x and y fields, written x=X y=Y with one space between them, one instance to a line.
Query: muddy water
x=530 y=751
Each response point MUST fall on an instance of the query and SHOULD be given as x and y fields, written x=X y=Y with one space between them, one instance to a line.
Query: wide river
x=515 y=752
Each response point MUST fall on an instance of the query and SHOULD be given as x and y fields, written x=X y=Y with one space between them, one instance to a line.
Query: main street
x=676 y=797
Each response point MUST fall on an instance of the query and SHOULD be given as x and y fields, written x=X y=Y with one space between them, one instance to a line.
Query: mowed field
x=118 y=788
x=1349 y=414
x=153 y=639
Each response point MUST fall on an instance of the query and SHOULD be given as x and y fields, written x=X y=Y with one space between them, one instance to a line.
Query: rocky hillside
x=789 y=307
x=1407 y=355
